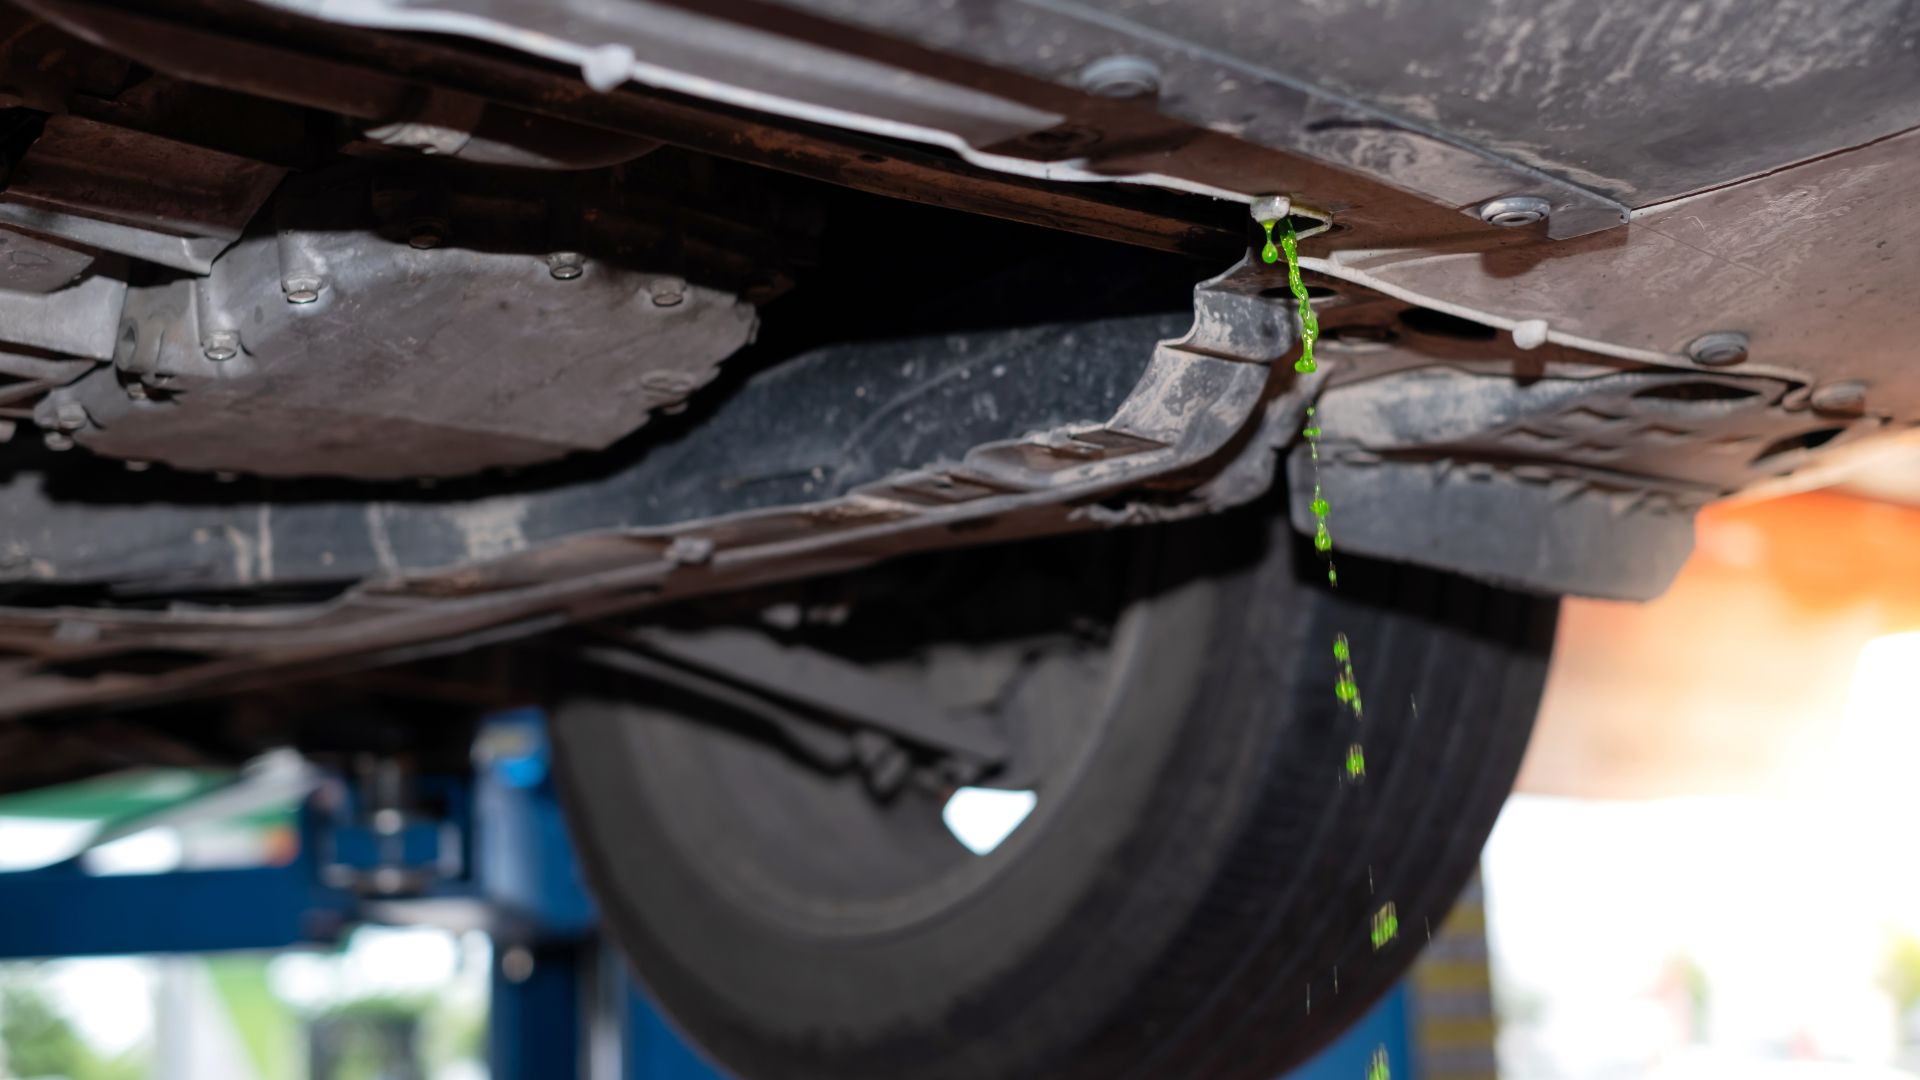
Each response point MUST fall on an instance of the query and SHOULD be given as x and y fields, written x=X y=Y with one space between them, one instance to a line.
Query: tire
x=1197 y=896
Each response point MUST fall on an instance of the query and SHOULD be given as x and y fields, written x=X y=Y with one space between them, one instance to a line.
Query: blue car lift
x=562 y=1004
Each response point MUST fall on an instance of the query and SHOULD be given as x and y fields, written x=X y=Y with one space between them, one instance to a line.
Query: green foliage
x=266 y=1027
x=39 y=1042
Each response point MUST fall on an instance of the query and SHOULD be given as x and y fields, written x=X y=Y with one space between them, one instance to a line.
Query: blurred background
x=1710 y=866
x=1709 y=870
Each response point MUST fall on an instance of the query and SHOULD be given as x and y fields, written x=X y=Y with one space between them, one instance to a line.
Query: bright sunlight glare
x=983 y=818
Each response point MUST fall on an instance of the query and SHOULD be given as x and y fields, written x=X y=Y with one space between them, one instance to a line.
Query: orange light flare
x=1737 y=681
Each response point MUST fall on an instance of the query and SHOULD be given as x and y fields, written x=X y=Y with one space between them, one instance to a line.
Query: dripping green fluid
x=1309 y=325
x=1346 y=689
x=1269 y=254
x=1377 y=1068
x=1356 y=762
x=1322 y=536
x=1386 y=926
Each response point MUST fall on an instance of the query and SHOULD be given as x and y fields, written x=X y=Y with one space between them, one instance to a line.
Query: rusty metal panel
x=91 y=169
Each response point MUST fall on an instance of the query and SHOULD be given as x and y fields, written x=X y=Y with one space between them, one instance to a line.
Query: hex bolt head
x=221 y=345
x=56 y=440
x=566 y=265
x=1722 y=348
x=301 y=288
x=1121 y=77
x=1516 y=211
x=668 y=292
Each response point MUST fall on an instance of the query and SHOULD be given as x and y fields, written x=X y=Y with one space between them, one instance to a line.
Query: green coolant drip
x=1377 y=1068
x=1386 y=926
x=1356 y=763
x=1309 y=326
x=1345 y=688
x=1322 y=537
x=1269 y=254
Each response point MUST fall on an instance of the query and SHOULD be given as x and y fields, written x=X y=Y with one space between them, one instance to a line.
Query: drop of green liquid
x=1309 y=325
x=1322 y=539
x=1341 y=650
x=1386 y=926
x=1377 y=1068
x=1269 y=254
x=1356 y=762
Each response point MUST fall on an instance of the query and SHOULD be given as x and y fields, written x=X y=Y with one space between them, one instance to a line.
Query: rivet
x=566 y=265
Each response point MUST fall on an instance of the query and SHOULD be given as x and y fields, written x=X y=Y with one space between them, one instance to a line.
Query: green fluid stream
x=1385 y=923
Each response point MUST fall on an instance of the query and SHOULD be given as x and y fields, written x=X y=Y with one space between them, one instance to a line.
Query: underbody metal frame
x=1199 y=398
x=1741 y=235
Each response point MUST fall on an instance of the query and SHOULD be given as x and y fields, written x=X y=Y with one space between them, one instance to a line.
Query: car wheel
x=1202 y=885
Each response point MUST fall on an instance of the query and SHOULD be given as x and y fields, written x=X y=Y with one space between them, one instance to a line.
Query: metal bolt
x=70 y=416
x=1516 y=211
x=137 y=466
x=56 y=440
x=1122 y=77
x=667 y=383
x=566 y=265
x=301 y=288
x=221 y=345
x=1722 y=348
x=426 y=233
x=1841 y=398
x=668 y=291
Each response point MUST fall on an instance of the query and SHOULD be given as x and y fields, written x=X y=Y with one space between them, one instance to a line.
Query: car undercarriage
x=359 y=351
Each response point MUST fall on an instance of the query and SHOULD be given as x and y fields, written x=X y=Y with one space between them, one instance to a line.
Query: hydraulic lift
x=486 y=850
